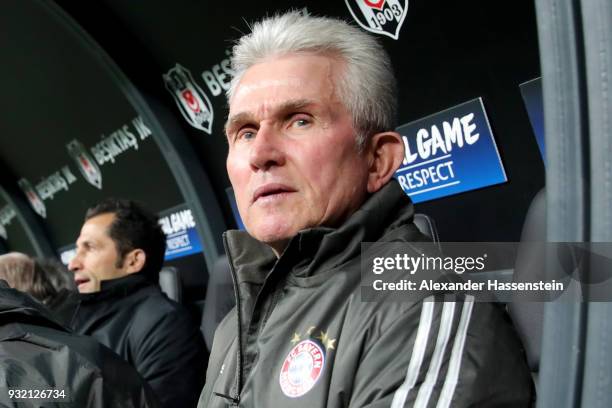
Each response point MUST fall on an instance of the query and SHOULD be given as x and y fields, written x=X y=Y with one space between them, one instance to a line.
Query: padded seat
x=531 y=266
x=170 y=283
x=427 y=226
x=219 y=299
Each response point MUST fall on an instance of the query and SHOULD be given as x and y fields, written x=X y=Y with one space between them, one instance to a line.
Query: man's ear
x=134 y=260
x=385 y=152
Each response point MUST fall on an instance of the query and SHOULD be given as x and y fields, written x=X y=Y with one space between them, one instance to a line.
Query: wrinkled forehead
x=305 y=76
x=334 y=59
x=245 y=89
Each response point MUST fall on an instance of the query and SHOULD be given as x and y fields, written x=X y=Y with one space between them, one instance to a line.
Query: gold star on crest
x=329 y=343
x=295 y=339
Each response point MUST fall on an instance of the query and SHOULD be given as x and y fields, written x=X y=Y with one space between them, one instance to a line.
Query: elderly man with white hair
x=312 y=152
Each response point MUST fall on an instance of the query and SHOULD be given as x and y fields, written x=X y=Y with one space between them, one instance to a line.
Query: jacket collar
x=322 y=248
x=119 y=287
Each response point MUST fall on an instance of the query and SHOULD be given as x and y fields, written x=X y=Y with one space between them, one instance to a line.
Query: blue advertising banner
x=449 y=152
x=532 y=96
x=179 y=226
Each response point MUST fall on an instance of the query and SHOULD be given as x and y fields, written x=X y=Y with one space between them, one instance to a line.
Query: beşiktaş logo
x=86 y=164
x=383 y=17
x=33 y=197
x=189 y=97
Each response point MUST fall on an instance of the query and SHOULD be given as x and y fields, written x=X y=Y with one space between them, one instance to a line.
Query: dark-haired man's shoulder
x=165 y=338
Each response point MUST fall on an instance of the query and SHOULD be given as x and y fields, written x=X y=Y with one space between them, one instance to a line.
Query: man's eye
x=300 y=122
x=245 y=135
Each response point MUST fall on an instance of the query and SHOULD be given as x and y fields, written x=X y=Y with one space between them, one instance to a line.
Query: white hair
x=367 y=86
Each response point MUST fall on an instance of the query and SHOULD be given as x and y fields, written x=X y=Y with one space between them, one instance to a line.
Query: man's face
x=293 y=160
x=96 y=257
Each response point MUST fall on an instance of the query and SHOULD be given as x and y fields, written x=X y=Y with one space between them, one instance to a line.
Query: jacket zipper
x=236 y=398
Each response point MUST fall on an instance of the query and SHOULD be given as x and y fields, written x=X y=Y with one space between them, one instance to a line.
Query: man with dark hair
x=120 y=251
x=137 y=237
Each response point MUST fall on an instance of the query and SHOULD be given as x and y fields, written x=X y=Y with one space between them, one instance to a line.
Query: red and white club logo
x=302 y=368
x=383 y=17
x=190 y=100
x=376 y=4
x=87 y=165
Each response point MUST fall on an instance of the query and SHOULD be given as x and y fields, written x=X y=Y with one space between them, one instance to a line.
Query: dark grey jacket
x=300 y=335
x=36 y=353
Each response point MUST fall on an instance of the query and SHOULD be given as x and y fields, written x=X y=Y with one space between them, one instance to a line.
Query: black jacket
x=156 y=335
x=37 y=353
x=301 y=336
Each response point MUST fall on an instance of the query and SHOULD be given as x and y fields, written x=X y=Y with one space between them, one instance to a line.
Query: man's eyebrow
x=241 y=117
x=293 y=105
x=280 y=110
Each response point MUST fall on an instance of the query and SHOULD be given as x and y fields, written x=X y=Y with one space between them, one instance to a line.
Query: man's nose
x=266 y=149
x=74 y=264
